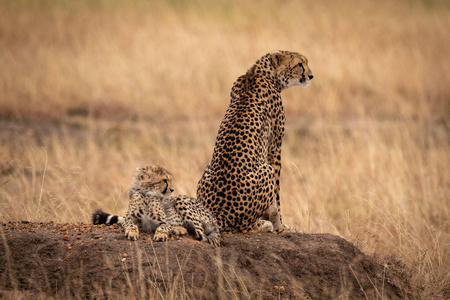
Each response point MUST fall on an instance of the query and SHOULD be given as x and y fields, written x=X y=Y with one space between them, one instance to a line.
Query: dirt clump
x=87 y=261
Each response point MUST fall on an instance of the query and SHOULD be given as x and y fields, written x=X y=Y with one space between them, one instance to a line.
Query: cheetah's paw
x=263 y=226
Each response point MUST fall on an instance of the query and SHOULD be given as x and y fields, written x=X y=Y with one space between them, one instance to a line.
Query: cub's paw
x=178 y=230
x=132 y=233
x=160 y=237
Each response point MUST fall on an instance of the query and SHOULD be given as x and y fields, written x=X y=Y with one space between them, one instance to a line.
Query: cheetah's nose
x=311 y=77
x=171 y=190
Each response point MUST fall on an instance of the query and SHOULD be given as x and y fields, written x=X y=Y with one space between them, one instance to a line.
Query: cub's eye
x=165 y=181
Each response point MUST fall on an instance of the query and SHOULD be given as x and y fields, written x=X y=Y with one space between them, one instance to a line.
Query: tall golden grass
x=91 y=89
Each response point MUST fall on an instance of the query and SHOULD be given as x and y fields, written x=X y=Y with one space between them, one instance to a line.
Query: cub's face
x=153 y=179
x=292 y=68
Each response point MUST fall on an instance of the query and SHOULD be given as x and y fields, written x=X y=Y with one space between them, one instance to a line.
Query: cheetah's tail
x=191 y=229
x=98 y=217
x=212 y=232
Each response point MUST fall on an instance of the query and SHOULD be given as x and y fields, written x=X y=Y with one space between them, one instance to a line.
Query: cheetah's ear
x=139 y=170
x=276 y=56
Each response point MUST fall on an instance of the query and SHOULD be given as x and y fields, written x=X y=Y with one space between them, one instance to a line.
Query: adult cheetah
x=241 y=184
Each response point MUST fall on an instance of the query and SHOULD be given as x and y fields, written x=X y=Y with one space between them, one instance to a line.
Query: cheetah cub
x=152 y=208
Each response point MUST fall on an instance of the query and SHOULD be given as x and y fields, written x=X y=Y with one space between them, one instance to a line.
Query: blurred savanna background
x=89 y=90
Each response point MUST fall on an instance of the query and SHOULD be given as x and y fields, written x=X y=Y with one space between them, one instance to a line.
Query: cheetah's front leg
x=274 y=215
x=273 y=212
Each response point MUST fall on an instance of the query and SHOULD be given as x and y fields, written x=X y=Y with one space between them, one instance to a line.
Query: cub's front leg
x=131 y=229
x=164 y=228
x=133 y=217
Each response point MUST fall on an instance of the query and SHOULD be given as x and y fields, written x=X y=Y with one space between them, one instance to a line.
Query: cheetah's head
x=292 y=68
x=151 y=179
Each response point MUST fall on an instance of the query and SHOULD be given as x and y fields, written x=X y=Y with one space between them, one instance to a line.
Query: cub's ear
x=139 y=170
x=277 y=57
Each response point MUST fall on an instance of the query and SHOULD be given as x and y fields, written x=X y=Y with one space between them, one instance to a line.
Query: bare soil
x=40 y=260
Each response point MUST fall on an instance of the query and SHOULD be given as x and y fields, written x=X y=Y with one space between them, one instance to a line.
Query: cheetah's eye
x=165 y=181
x=301 y=66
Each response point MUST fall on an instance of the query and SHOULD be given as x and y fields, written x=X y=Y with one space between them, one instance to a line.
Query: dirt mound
x=80 y=260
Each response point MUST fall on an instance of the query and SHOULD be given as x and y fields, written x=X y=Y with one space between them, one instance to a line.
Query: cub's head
x=292 y=68
x=153 y=179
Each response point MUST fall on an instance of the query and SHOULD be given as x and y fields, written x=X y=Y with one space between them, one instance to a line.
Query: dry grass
x=91 y=89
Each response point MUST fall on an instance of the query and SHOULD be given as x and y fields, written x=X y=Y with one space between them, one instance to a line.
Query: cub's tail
x=100 y=217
